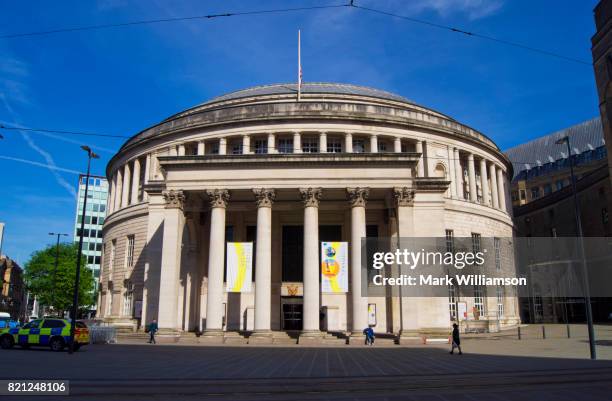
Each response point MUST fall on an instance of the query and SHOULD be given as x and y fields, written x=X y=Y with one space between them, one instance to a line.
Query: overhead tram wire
x=34 y=130
x=350 y=4
x=174 y=19
x=472 y=34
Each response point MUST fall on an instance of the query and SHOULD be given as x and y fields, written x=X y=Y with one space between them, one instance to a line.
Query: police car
x=51 y=332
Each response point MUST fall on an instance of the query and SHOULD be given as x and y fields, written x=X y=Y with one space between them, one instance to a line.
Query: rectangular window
x=237 y=148
x=285 y=145
x=214 y=148
x=111 y=258
x=522 y=192
x=129 y=253
x=479 y=300
x=334 y=145
x=497 y=248
x=450 y=241
x=476 y=242
x=382 y=146
x=452 y=302
x=500 y=301
x=358 y=146
x=261 y=146
x=535 y=192
x=547 y=189
x=559 y=184
x=310 y=145
x=605 y=217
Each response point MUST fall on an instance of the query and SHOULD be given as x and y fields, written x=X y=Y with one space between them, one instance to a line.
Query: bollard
x=568 y=331
x=519 y=332
x=543 y=332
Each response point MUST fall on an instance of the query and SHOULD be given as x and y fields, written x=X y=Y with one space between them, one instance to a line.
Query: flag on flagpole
x=299 y=66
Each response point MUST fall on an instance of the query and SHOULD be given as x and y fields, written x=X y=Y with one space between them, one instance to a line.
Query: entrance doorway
x=292 y=311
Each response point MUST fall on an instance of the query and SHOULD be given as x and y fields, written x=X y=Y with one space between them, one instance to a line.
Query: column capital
x=264 y=197
x=311 y=196
x=358 y=196
x=218 y=197
x=174 y=199
x=403 y=196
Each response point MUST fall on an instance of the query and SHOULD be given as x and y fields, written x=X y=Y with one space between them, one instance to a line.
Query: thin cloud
x=50 y=165
x=39 y=164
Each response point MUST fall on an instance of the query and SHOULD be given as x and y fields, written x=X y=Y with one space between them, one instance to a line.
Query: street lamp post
x=55 y=268
x=585 y=273
x=77 y=277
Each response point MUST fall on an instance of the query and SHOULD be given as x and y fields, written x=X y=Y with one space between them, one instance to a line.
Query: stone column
x=451 y=172
x=297 y=142
x=458 y=174
x=404 y=202
x=181 y=149
x=472 y=178
x=323 y=142
x=147 y=173
x=501 y=190
x=173 y=150
x=201 y=148
x=222 y=146
x=246 y=144
x=311 y=197
x=484 y=182
x=216 y=254
x=348 y=143
x=112 y=194
x=118 y=189
x=263 y=260
x=373 y=143
x=494 y=190
x=357 y=199
x=125 y=193
x=397 y=145
x=170 y=260
x=135 y=182
x=271 y=143
x=421 y=165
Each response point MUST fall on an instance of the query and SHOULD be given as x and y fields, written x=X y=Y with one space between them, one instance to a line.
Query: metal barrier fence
x=102 y=334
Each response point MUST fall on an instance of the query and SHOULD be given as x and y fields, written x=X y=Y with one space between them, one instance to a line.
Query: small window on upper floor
x=382 y=146
x=214 y=148
x=285 y=145
x=310 y=145
x=358 y=146
x=261 y=146
x=334 y=145
x=237 y=148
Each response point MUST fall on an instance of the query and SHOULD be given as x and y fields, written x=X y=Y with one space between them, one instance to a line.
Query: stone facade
x=338 y=165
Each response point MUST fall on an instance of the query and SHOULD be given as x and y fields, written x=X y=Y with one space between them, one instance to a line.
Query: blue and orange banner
x=334 y=267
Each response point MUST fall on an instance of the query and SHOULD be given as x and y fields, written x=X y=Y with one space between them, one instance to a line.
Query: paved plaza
x=552 y=369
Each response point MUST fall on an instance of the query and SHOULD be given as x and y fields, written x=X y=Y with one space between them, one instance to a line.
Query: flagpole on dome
x=299 y=92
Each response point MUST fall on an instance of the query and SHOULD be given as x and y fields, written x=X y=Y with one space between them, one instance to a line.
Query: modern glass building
x=94 y=219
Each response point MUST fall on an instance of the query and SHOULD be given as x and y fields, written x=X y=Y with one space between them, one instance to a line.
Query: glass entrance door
x=292 y=313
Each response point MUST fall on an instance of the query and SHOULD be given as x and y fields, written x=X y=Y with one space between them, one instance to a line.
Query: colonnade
x=125 y=183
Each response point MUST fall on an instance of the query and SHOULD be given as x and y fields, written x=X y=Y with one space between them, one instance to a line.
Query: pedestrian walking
x=152 y=330
x=456 y=339
x=369 y=336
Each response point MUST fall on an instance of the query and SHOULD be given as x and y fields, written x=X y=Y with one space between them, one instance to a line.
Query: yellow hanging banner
x=239 y=266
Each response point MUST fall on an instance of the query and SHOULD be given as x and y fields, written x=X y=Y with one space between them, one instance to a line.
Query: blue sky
x=121 y=80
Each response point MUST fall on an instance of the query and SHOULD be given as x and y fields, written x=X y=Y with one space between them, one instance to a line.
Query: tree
x=39 y=272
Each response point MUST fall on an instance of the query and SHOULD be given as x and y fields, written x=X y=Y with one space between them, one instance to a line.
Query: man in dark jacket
x=152 y=330
x=456 y=339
